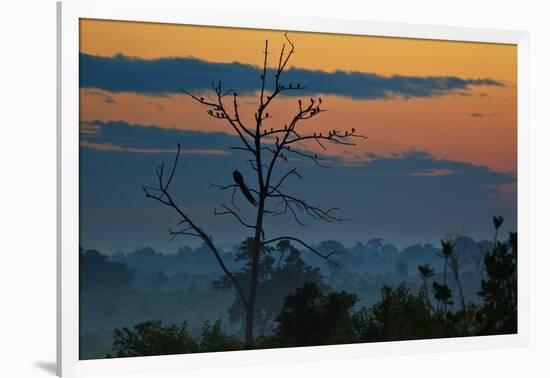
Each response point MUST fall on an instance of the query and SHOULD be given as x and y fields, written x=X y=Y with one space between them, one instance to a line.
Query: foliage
x=400 y=315
x=425 y=271
x=498 y=314
x=281 y=272
x=215 y=340
x=310 y=317
x=96 y=272
x=443 y=294
x=302 y=311
x=152 y=338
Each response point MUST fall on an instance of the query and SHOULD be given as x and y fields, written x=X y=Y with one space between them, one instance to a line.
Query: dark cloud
x=405 y=197
x=142 y=138
x=410 y=163
x=167 y=75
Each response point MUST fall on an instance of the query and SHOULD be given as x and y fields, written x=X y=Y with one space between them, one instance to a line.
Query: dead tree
x=264 y=149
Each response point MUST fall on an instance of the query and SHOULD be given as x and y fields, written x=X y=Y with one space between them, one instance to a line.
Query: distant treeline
x=375 y=293
x=371 y=257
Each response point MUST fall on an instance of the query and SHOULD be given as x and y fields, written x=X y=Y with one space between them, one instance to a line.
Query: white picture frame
x=164 y=11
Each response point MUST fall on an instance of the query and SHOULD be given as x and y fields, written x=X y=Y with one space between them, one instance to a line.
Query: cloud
x=122 y=137
x=119 y=136
x=421 y=165
x=403 y=197
x=167 y=75
x=433 y=172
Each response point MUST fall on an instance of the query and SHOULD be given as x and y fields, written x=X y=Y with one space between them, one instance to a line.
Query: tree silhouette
x=282 y=271
x=152 y=338
x=447 y=249
x=310 y=317
x=310 y=314
x=215 y=340
x=426 y=272
x=399 y=315
x=97 y=272
x=443 y=294
x=498 y=314
x=265 y=149
x=454 y=264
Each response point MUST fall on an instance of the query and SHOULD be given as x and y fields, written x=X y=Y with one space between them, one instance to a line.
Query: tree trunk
x=249 y=326
x=427 y=293
x=445 y=272
x=461 y=293
x=254 y=274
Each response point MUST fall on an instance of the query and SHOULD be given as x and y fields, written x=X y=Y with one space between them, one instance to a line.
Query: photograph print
x=254 y=189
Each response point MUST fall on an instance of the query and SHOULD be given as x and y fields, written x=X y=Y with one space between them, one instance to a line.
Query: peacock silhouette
x=239 y=180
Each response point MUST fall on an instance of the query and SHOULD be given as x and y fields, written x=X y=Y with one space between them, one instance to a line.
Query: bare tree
x=265 y=149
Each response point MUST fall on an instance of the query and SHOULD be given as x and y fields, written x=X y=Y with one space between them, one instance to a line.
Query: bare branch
x=293 y=171
x=230 y=211
x=297 y=205
x=307 y=246
x=263 y=77
x=185 y=231
x=217 y=110
x=230 y=186
x=162 y=195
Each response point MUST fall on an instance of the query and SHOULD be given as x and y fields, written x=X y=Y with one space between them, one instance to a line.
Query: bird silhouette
x=239 y=180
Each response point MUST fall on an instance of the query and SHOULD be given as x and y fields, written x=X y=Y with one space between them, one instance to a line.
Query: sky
x=440 y=117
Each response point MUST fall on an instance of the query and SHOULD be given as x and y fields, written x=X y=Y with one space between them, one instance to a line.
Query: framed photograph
x=238 y=189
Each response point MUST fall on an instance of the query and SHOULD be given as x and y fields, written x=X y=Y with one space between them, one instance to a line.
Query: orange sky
x=327 y=52
x=442 y=125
